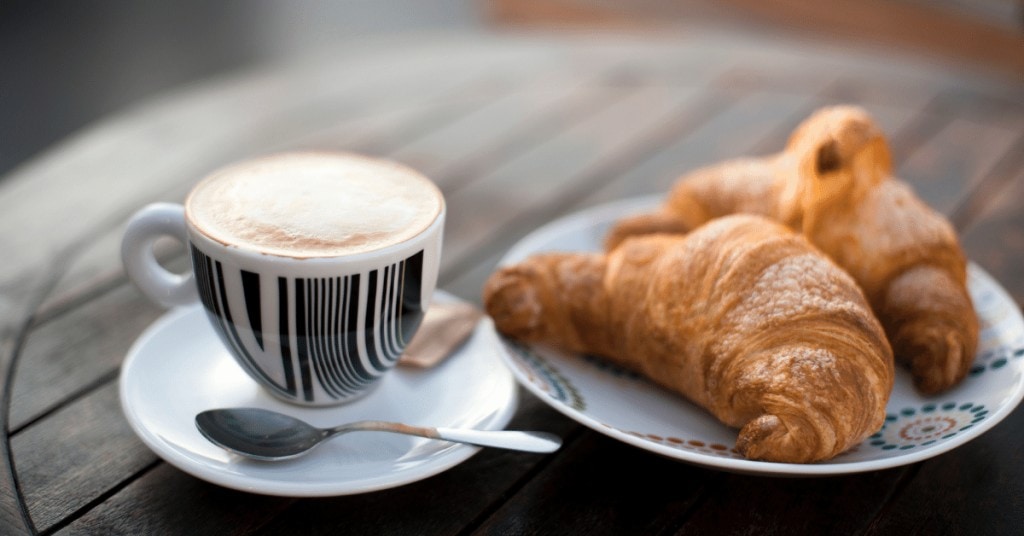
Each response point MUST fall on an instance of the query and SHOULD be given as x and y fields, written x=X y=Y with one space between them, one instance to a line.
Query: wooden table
x=517 y=131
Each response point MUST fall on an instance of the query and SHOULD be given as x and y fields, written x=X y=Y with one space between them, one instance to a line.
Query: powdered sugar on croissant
x=742 y=316
x=834 y=184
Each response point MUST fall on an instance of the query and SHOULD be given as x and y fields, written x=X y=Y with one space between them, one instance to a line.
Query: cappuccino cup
x=315 y=269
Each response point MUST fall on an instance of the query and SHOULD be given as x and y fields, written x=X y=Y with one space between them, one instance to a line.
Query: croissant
x=833 y=183
x=742 y=316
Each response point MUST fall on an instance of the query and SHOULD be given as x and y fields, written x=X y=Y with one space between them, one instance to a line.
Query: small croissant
x=833 y=183
x=742 y=316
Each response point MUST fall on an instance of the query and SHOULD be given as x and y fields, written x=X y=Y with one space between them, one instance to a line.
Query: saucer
x=627 y=407
x=178 y=368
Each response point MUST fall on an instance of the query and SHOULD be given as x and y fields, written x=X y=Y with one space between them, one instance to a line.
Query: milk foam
x=313 y=204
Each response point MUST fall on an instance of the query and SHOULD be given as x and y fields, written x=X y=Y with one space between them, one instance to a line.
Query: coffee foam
x=313 y=204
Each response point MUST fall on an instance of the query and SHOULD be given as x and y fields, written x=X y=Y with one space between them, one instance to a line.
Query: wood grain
x=558 y=166
x=443 y=504
x=759 y=122
x=832 y=505
x=72 y=352
x=690 y=139
x=208 y=126
x=976 y=487
x=601 y=486
x=17 y=301
x=926 y=28
x=13 y=514
x=995 y=240
x=771 y=508
x=959 y=156
x=77 y=455
x=518 y=131
x=45 y=376
x=146 y=506
x=456 y=152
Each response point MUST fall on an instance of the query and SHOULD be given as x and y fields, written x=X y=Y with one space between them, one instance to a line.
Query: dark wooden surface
x=517 y=131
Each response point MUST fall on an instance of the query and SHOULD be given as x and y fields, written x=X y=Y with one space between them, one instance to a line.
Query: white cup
x=312 y=331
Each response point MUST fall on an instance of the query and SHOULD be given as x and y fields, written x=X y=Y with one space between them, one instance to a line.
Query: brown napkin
x=445 y=326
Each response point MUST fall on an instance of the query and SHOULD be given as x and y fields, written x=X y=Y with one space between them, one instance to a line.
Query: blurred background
x=66 y=64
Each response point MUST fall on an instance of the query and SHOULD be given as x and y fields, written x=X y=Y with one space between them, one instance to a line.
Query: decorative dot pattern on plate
x=996 y=316
x=995 y=359
x=692 y=445
x=544 y=376
x=610 y=368
x=658 y=420
x=926 y=425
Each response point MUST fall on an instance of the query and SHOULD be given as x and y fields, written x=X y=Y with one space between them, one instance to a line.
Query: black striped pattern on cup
x=334 y=336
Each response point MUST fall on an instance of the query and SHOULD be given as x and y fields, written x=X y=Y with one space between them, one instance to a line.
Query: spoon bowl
x=268 y=435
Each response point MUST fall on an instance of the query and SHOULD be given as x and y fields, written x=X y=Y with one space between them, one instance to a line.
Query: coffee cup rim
x=257 y=256
x=195 y=230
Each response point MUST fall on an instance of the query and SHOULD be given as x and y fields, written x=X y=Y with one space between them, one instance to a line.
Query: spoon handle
x=505 y=439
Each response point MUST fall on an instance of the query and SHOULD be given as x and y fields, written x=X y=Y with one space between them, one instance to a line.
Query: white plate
x=626 y=407
x=178 y=367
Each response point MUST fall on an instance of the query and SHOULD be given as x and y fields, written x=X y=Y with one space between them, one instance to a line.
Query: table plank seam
x=613 y=78
x=100 y=499
x=428 y=121
x=520 y=142
x=781 y=132
x=20 y=336
x=73 y=397
x=64 y=259
x=1002 y=173
x=997 y=100
x=902 y=483
x=423 y=126
x=521 y=223
x=115 y=283
x=705 y=495
x=487 y=512
x=104 y=380
x=462 y=174
x=927 y=123
x=100 y=382
x=709 y=104
x=9 y=468
x=612 y=95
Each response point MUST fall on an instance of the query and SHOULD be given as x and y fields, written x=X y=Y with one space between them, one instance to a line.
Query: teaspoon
x=267 y=435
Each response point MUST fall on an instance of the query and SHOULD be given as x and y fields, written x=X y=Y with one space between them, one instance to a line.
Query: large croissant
x=742 y=316
x=833 y=183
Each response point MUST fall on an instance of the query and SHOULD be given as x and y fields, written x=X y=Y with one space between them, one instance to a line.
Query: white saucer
x=178 y=367
x=627 y=407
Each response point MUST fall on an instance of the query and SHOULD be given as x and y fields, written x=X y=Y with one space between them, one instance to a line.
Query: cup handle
x=158 y=284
